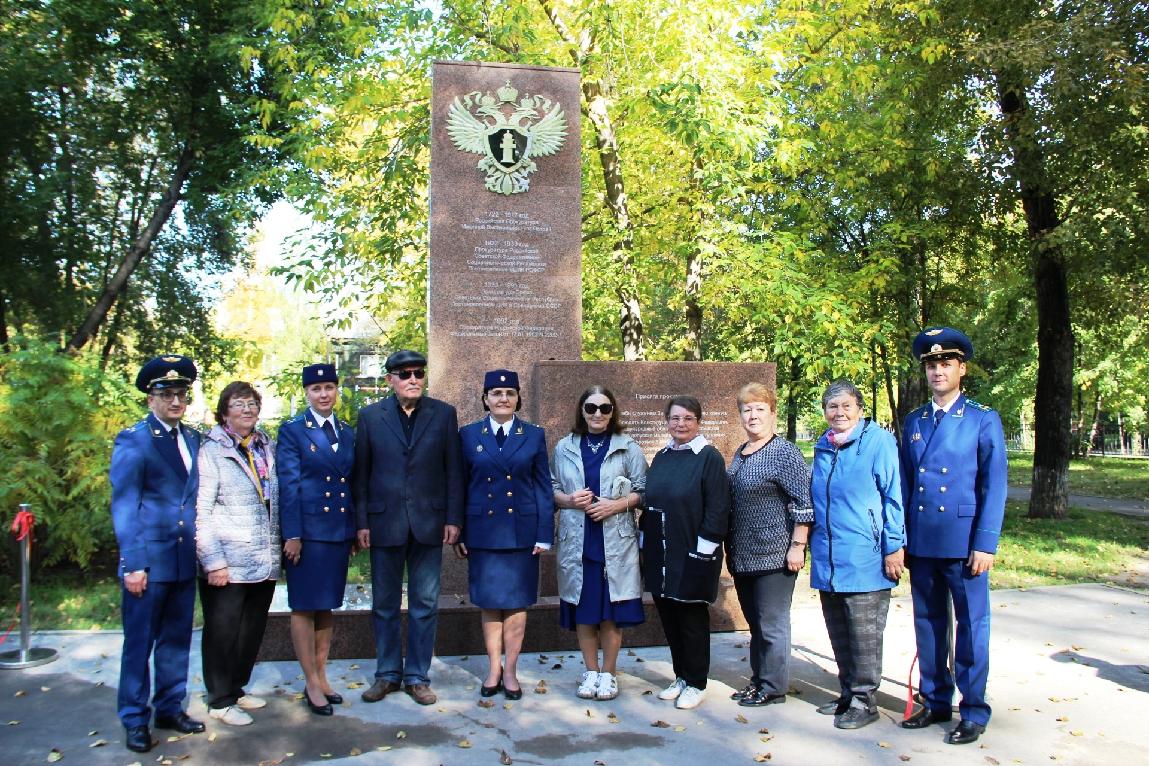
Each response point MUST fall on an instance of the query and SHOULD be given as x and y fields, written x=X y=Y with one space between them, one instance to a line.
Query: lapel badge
x=519 y=431
x=313 y=448
x=157 y=432
x=917 y=436
x=485 y=431
x=479 y=448
x=309 y=424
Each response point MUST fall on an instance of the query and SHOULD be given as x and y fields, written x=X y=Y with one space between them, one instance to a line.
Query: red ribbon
x=23 y=523
x=910 y=694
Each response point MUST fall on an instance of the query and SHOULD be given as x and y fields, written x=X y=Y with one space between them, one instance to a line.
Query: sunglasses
x=591 y=409
x=406 y=374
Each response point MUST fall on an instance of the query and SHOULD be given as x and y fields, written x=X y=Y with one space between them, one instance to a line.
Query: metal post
x=25 y=656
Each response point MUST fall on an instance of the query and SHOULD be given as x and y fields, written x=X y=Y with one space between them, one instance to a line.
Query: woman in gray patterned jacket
x=238 y=546
x=766 y=546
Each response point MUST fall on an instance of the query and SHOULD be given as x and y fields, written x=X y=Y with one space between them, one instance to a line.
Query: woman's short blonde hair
x=758 y=392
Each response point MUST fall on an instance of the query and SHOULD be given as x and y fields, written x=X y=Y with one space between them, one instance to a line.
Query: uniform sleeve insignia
x=978 y=405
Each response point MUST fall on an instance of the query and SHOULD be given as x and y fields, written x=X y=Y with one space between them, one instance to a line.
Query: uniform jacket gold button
x=326 y=509
x=921 y=507
x=329 y=478
x=327 y=494
x=510 y=494
x=490 y=513
x=941 y=509
x=921 y=470
x=342 y=479
x=508 y=478
x=941 y=489
x=510 y=510
x=945 y=470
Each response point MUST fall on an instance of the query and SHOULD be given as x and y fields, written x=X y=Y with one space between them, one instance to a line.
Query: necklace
x=594 y=448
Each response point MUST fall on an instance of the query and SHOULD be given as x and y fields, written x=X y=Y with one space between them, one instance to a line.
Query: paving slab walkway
x=1069 y=684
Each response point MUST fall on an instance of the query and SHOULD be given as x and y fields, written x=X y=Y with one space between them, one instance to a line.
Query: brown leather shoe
x=421 y=693
x=380 y=689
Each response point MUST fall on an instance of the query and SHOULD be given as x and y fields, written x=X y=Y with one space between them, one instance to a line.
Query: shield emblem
x=508 y=145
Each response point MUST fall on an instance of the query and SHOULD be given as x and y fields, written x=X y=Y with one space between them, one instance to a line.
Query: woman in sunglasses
x=599 y=478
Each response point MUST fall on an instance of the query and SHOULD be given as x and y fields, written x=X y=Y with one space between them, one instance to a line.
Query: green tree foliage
x=58 y=416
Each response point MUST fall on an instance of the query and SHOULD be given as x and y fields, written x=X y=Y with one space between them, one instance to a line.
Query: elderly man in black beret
x=408 y=493
x=154 y=484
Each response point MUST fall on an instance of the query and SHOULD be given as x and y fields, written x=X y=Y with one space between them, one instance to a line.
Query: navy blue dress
x=594 y=604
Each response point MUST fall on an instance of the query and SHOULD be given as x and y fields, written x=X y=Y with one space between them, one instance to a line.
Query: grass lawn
x=1126 y=478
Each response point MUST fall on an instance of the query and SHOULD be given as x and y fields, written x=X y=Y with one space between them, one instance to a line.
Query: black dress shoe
x=334 y=699
x=491 y=691
x=324 y=709
x=965 y=733
x=138 y=739
x=513 y=694
x=925 y=717
x=181 y=722
x=760 y=697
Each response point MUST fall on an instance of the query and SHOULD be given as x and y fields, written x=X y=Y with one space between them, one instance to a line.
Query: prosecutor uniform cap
x=319 y=373
x=940 y=343
x=167 y=371
x=500 y=379
x=405 y=358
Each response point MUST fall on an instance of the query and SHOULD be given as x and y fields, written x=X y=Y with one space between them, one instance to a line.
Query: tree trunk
x=139 y=248
x=792 y=401
x=888 y=376
x=1053 y=404
x=630 y=326
x=694 y=306
x=1096 y=436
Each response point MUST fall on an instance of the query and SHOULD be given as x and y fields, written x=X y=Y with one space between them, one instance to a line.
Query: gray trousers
x=856 y=623
x=765 y=601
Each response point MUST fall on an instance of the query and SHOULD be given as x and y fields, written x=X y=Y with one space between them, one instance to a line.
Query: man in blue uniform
x=408 y=492
x=154 y=484
x=954 y=482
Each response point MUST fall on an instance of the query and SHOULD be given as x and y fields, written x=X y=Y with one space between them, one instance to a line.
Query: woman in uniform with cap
x=316 y=452
x=509 y=522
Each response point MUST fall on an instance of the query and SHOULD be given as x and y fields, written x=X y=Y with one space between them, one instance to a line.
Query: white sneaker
x=607 y=687
x=690 y=698
x=671 y=692
x=588 y=684
x=250 y=702
x=232 y=716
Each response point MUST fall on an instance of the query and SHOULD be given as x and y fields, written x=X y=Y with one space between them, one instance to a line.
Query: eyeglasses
x=170 y=396
x=406 y=374
x=682 y=419
x=252 y=405
x=591 y=409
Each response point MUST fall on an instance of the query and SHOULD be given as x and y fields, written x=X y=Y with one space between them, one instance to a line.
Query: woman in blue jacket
x=856 y=546
x=510 y=521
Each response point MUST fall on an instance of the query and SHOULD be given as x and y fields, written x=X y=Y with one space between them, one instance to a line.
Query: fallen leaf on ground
x=507 y=706
x=212 y=737
x=767 y=738
x=353 y=666
x=356 y=685
x=441 y=709
x=903 y=758
x=54 y=755
x=763 y=731
x=504 y=758
x=19 y=693
x=630 y=653
x=883 y=744
x=93 y=733
x=648 y=691
x=740 y=718
x=612 y=718
x=486 y=703
x=45 y=688
x=680 y=728
x=589 y=714
x=991 y=760
x=660 y=724
x=1077 y=733
x=13 y=723
x=383 y=748
x=464 y=743
x=355 y=751
x=98 y=743
x=763 y=758
x=557 y=666
x=400 y=734
x=639 y=659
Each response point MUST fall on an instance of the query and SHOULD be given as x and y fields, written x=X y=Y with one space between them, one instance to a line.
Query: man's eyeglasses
x=406 y=374
x=591 y=409
x=171 y=396
x=236 y=405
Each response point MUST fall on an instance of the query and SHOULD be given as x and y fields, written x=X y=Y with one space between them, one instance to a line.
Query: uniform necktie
x=500 y=437
x=938 y=415
x=329 y=429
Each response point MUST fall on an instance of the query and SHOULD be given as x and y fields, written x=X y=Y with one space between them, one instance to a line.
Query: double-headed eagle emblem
x=479 y=123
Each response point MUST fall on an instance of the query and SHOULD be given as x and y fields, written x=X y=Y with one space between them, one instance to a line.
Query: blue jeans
x=423 y=563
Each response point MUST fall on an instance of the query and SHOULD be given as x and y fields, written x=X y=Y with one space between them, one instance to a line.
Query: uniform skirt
x=503 y=579
x=594 y=604
x=319 y=580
